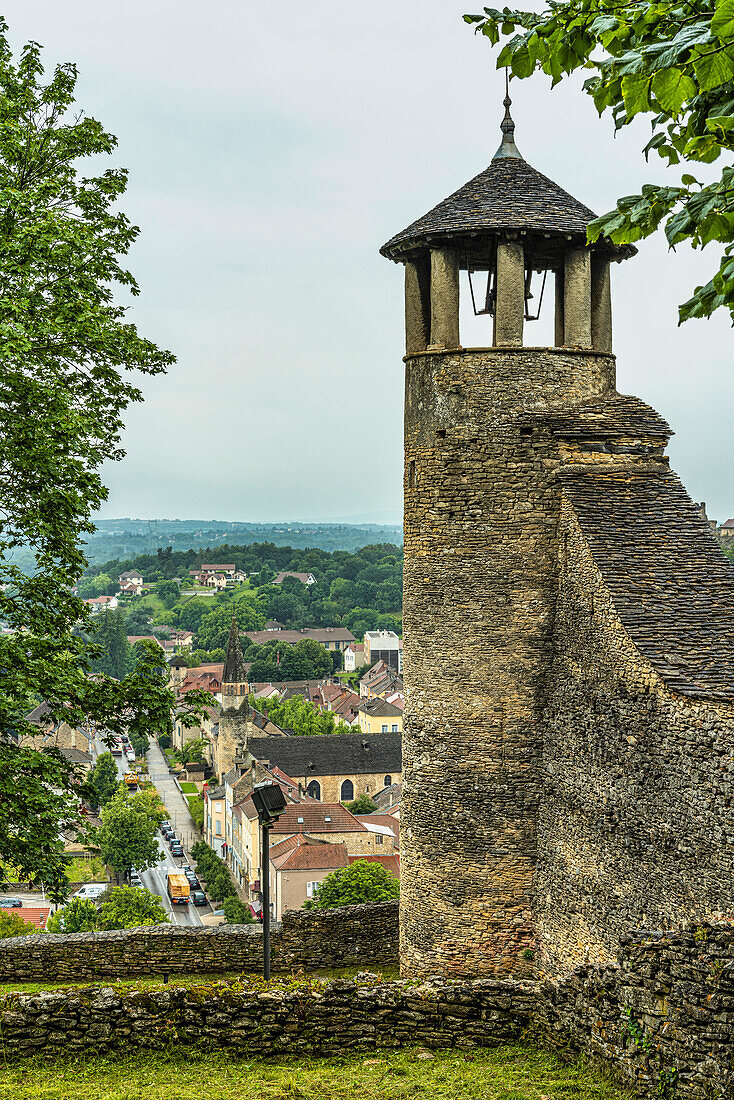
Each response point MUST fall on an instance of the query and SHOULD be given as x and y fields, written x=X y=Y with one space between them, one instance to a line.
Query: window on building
x=219 y=828
x=388 y=781
x=347 y=791
x=379 y=839
x=394 y=727
x=327 y=818
x=314 y=789
x=384 y=727
x=311 y=888
x=300 y=820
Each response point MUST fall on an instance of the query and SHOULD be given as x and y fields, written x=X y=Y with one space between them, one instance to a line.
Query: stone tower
x=568 y=614
x=481 y=519
x=232 y=738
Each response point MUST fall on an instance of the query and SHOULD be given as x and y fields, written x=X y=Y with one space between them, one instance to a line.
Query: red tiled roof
x=307 y=856
x=390 y=863
x=305 y=817
x=37 y=916
x=286 y=845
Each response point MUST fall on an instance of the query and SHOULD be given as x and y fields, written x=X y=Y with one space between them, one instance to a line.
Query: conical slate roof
x=508 y=196
x=234 y=663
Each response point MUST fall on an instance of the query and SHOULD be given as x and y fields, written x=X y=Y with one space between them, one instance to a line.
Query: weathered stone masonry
x=364 y=935
x=481 y=516
x=569 y=619
x=663 y=1016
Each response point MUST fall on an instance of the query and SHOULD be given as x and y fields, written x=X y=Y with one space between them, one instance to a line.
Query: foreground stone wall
x=320 y=1019
x=637 y=823
x=481 y=514
x=662 y=1016
x=313 y=939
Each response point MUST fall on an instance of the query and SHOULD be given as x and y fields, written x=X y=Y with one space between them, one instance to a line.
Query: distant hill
x=127 y=538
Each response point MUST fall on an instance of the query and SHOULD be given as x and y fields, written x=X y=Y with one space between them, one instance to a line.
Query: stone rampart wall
x=302 y=1019
x=314 y=939
x=662 y=1016
x=636 y=826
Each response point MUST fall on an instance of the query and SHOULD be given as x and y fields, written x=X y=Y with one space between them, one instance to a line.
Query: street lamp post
x=270 y=803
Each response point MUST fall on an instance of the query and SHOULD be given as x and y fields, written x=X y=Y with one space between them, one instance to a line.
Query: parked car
x=176 y=849
x=11 y=903
x=167 y=830
x=190 y=875
x=198 y=897
x=135 y=879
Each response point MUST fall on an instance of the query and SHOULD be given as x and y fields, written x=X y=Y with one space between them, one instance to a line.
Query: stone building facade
x=569 y=711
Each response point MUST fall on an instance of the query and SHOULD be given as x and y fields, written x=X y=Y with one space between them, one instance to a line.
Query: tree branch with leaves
x=67 y=356
x=673 y=62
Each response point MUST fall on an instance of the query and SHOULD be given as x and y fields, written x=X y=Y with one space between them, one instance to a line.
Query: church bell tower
x=481 y=521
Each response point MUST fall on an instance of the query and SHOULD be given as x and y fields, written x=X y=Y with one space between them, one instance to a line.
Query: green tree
x=140 y=744
x=12 y=924
x=362 y=805
x=104 y=778
x=127 y=836
x=78 y=915
x=99 y=585
x=214 y=630
x=111 y=637
x=673 y=62
x=148 y=801
x=237 y=912
x=131 y=907
x=65 y=349
x=168 y=591
x=194 y=752
x=358 y=884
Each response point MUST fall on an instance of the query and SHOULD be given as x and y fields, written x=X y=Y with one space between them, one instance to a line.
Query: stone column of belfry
x=481 y=517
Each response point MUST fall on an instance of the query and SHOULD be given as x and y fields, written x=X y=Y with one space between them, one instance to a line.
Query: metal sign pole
x=265 y=871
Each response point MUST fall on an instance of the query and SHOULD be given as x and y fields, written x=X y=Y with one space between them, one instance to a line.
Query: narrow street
x=155 y=879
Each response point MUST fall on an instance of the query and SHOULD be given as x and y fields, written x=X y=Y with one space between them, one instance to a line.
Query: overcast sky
x=272 y=149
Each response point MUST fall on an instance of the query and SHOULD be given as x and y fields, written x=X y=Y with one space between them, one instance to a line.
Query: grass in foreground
x=505 y=1073
x=384 y=973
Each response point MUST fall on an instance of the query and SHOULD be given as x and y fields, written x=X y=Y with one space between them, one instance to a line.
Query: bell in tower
x=480 y=528
x=509 y=228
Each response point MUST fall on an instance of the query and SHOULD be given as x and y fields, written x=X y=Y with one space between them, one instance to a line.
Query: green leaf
x=672 y=88
x=636 y=93
x=722 y=22
x=713 y=68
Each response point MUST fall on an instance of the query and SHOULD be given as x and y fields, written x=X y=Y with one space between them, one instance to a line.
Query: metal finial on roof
x=507 y=126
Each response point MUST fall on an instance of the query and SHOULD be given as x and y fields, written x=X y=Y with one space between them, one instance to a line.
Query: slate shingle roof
x=508 y=195
x=331 y=754
x=614 y=416
x=672 y=586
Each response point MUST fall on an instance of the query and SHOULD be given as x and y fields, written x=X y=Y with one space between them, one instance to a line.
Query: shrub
x=358 y=884
x=11 y=924
x=237 y=912
x=196 y=809
x=164 y=741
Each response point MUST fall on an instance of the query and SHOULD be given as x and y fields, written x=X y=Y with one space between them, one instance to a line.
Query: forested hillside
x=360 y=591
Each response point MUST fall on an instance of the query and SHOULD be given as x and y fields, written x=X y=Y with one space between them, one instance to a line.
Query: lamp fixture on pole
x=269 y=802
